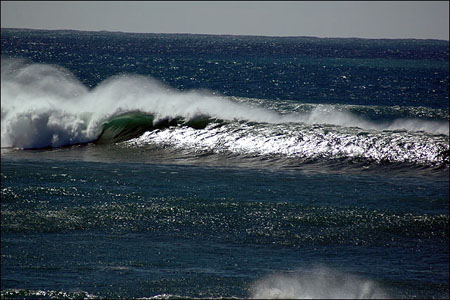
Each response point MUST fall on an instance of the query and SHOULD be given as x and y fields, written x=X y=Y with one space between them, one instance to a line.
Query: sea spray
x=46 y=106
x=41 y=106
x=329 y=114
x=317 y=283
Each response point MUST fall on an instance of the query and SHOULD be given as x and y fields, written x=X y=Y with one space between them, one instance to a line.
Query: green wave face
x=133 y=124
x=125 y=126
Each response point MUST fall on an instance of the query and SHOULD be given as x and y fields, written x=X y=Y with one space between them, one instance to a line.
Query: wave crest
x=46 y=106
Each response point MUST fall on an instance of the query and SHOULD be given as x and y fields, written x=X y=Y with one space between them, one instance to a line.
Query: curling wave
x=127 y=126
x=46 y=106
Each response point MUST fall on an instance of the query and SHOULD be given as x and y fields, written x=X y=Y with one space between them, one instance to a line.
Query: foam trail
x=318 y=283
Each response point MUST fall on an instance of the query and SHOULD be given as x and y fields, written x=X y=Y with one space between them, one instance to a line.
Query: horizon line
x=224 y=34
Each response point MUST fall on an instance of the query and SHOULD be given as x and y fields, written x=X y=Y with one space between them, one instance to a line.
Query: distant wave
x=46 y=106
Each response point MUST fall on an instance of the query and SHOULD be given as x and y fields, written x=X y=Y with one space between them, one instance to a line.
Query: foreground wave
x=46 y=106
x=317 y=283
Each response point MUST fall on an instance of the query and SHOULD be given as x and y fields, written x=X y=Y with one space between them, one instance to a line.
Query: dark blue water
x=345 y=71
x=174 y=166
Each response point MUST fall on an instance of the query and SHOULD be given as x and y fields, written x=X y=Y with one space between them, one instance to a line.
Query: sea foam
x=317 y=283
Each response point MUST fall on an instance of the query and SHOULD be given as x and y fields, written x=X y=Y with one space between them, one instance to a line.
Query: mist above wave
x=47 y=106
x=326 y=115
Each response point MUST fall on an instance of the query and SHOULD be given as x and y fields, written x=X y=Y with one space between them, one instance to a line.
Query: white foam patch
x=318 y=283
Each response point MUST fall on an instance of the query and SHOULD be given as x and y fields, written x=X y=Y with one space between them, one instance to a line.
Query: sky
x=363 y=19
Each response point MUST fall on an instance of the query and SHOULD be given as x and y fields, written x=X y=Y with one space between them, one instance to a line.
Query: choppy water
x=146 y=165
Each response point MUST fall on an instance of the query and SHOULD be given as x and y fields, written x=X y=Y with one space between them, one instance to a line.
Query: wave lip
x=318 y=283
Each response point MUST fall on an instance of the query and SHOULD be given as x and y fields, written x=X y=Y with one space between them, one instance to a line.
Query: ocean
x=158 y=166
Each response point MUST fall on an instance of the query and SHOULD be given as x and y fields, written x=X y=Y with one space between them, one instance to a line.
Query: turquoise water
x=174 y=166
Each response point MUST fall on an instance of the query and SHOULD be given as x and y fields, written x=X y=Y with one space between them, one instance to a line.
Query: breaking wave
x=46 y=106
x=133 y=124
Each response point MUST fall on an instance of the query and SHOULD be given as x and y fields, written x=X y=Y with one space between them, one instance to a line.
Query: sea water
x=202 y=166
